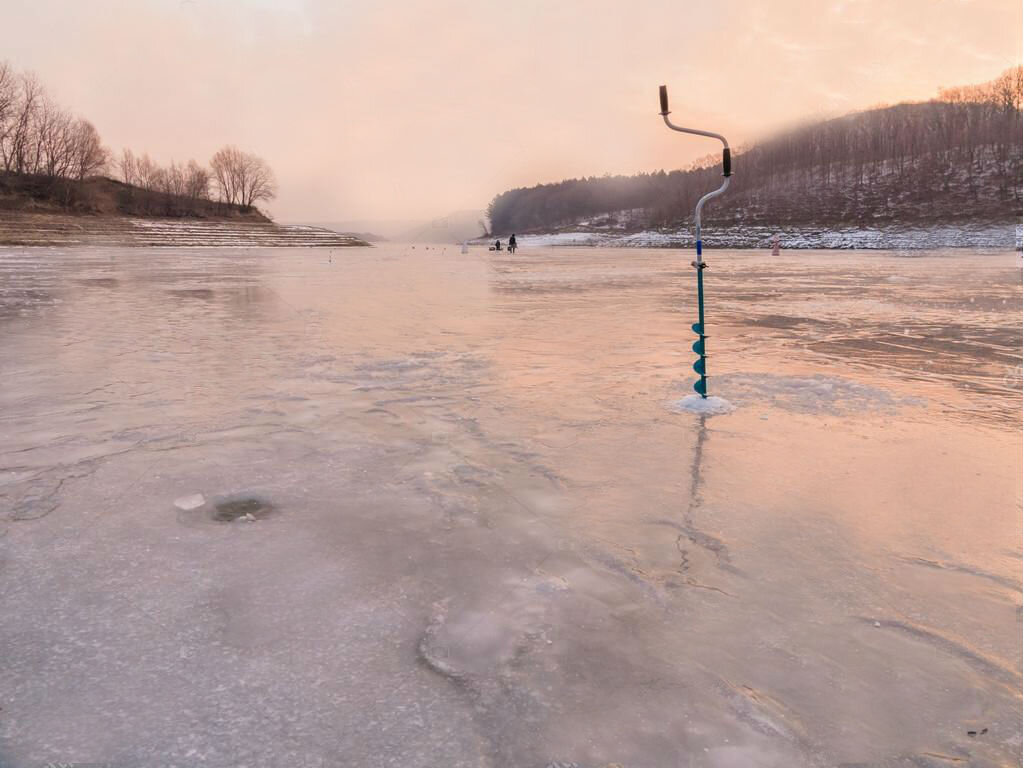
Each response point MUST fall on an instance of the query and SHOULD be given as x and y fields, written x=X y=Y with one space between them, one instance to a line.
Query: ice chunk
x=194 y=501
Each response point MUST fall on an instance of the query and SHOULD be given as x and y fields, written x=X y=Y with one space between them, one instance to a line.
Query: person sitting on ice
x=497 y=245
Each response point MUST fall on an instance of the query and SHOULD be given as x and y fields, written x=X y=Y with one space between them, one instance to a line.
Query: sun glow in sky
x=417 y=109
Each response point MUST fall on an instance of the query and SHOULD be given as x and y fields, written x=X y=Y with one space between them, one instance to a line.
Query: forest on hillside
x=957 y=156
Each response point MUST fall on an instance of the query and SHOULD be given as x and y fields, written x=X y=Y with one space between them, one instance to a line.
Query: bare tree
x=258 y=182
x=89 y=154
x=242 y=178
x=55 y=141
x=8 y=107
x=156 y=179
x=197 y=181
x=128 y=166
x=173 y=180
x=226 y=165
x=147 y=174
x=19 y=150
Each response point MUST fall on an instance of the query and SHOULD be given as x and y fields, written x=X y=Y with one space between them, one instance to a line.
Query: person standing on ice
x=512 y=243
x=776 y=243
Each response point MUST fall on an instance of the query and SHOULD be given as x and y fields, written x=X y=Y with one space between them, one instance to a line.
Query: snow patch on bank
x=960 y=235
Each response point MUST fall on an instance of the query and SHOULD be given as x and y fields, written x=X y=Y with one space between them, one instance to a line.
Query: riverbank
x=62 y=229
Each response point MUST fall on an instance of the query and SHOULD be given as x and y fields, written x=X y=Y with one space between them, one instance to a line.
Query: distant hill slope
x=911 y=164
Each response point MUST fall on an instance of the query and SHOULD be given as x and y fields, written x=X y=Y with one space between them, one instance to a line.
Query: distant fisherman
x=512 y=243
x=776 y=243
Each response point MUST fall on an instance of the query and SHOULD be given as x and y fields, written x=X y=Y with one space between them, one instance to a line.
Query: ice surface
x=481 y=537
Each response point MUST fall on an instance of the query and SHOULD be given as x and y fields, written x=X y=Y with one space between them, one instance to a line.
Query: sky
x=413 y=110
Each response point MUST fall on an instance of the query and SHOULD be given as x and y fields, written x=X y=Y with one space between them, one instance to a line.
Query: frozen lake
x=402 y=506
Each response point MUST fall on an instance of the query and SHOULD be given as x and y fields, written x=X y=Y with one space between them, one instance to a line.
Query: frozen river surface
x=406 y=507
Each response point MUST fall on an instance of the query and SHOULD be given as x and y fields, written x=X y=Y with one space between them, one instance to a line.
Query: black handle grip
x=663 y=95
x=726 y=162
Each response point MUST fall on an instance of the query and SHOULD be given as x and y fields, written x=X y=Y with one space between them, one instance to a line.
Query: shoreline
x=24 y=229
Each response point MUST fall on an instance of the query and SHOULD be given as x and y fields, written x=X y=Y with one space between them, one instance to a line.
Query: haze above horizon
x=412 y=110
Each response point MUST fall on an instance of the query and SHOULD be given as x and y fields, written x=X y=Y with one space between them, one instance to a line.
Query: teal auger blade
x=701 y=387
x=698 y=329
x=700 y=367
x=698 y=346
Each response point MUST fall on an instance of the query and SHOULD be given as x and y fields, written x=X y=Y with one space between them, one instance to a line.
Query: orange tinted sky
x=416 y=109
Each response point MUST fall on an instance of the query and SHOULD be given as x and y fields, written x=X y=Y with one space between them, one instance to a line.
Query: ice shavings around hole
x=704 y=405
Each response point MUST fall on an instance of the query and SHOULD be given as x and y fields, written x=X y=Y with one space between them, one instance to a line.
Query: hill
x=954 y=159
x=41 y=210
x=105 y=196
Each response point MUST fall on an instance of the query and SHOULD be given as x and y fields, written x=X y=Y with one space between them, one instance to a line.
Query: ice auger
x=700 y=346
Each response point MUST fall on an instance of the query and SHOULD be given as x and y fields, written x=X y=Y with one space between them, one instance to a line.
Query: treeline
x=39 y=137
x=957 y=155
x=60 y=151
x=236 y=178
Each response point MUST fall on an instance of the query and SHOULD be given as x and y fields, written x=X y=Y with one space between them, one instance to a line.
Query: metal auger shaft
x=700 y=346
